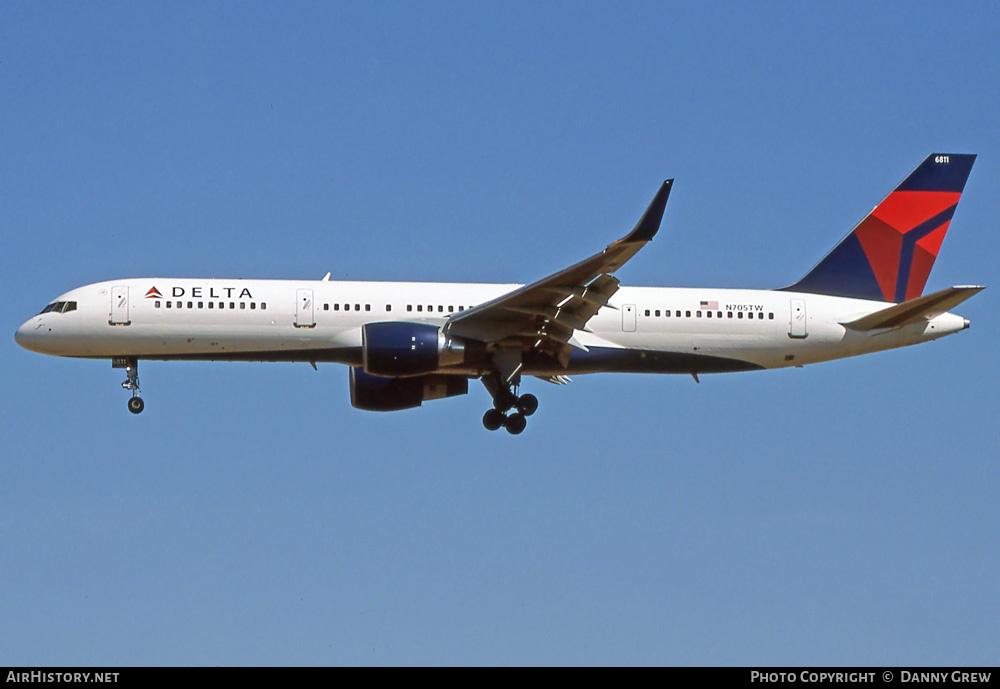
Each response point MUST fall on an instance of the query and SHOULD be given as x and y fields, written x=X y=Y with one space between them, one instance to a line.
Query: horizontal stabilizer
x=914 y=310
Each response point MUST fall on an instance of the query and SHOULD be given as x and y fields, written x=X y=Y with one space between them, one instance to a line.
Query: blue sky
x=844 y=513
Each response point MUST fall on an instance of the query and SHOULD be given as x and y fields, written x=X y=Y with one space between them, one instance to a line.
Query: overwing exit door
x=628 y=318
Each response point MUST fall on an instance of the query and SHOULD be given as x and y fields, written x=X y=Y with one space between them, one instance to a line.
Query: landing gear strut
x=131 y=366
x=509 y=410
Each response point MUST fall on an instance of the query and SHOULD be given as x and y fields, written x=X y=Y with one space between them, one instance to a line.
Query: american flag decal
x=710 y=305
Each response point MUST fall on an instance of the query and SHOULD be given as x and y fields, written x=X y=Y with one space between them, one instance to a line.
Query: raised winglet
x=649 y=223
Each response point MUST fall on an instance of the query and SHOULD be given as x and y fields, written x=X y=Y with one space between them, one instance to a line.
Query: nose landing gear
x=131 y=366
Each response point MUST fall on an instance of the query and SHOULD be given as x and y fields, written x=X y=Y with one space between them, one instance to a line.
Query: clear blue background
x=844 y=513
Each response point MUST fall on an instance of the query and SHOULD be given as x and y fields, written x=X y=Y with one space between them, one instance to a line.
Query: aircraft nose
x=25 y=335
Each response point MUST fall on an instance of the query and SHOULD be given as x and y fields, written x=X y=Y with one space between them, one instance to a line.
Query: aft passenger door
x=798 y=327
x=304 y=317
x=119 y=306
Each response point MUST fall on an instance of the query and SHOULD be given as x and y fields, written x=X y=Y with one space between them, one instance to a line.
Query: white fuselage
x=707 y=330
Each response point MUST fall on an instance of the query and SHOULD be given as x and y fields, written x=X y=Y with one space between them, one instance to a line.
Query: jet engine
x=378 y=393
x=407 y=349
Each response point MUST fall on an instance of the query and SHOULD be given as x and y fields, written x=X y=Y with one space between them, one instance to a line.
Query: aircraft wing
x=551 y=309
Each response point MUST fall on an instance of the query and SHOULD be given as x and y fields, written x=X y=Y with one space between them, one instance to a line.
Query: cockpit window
x=59 y=307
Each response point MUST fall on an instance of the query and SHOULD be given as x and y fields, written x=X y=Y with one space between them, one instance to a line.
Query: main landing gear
x=509 y=410
x=131 y=366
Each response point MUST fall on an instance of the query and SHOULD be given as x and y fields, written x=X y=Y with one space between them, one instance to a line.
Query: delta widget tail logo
x=889 y=255
x=153 y=293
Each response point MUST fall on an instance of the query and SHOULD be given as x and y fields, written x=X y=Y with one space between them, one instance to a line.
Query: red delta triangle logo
x=153 y=293
x=901 y=238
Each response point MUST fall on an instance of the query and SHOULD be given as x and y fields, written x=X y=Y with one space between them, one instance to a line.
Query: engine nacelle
x=407 y=349
x=378 y=393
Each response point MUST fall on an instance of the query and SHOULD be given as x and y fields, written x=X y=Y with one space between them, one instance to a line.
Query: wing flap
x=560 y=315
x=555 y=380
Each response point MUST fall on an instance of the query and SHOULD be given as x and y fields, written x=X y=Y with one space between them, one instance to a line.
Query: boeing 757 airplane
x=409 y=342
